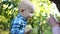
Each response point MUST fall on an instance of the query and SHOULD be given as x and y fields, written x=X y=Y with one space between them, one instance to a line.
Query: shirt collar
x=23 y=18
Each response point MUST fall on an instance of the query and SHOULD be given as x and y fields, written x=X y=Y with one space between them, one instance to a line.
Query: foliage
x=9 y=10
x=38 y=21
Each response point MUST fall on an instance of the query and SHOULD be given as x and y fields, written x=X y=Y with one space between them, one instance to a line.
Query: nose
x=31 y=14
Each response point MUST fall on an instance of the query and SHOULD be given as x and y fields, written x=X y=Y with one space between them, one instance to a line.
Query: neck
x=22 y=15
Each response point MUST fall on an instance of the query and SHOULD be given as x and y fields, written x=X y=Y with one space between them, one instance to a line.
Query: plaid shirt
x=18 y=25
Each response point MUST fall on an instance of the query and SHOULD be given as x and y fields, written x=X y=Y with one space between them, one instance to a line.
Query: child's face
x=28 y=13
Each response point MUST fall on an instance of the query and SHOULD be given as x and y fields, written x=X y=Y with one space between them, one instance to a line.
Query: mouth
x=28 y=17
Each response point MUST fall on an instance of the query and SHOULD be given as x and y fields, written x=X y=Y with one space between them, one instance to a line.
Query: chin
x=28 y=17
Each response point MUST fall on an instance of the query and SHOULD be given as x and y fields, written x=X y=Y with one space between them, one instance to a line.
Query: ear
x=22 y=10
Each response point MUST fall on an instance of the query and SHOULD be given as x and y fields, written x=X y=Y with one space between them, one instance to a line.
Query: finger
x=51 y=16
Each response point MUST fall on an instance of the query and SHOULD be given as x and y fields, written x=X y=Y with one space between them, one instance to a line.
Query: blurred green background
x=9 y=10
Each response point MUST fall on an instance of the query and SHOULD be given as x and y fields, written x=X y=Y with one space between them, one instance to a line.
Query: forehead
x=30 y=7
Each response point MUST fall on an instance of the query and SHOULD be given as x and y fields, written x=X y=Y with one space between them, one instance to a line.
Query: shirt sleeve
x=56 y=30
x=15 y=23
x=16 y=27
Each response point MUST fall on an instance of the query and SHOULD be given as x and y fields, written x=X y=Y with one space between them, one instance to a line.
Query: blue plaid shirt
x=18 y=25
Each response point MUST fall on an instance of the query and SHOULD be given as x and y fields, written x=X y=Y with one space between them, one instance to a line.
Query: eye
x=31 y=12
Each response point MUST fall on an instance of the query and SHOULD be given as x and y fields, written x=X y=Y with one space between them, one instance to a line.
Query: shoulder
x=16 y=20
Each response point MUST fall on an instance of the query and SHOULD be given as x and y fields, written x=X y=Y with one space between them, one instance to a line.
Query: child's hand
x=52 y=22
x=28 y=29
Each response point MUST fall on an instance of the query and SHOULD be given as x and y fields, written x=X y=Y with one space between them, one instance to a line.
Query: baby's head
x=26 y=9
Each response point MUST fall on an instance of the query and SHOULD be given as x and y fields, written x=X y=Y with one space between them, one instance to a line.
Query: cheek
x=28 y=15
